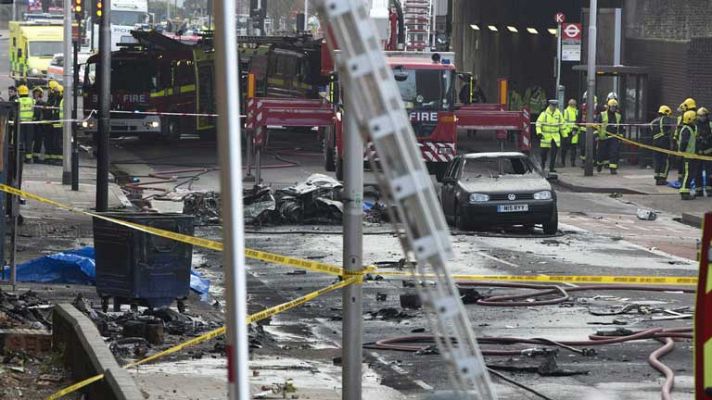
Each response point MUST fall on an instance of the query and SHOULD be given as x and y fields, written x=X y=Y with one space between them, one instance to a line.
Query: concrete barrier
x=86 y=355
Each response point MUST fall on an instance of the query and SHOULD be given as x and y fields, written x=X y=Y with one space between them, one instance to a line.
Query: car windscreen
x=493 y=167
x=425 y=88
x=44 y=49
x=128 y=18
x=129 y=76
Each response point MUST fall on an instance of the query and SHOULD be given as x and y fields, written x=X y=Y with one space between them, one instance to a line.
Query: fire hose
x=420 y=343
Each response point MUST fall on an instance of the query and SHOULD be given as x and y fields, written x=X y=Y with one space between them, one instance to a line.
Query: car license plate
x=513 y=208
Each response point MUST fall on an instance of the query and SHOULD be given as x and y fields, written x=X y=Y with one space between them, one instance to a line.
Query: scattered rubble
x=317 y=200
x=646 y=215
x=204 y=206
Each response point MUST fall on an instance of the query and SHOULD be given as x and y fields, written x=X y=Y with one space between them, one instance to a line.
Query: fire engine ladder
x=381 y=119
x=416 y=18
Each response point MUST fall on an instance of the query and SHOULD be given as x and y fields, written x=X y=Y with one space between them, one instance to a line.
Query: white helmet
x=612 y=96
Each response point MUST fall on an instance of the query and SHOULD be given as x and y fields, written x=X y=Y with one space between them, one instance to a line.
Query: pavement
x=638 y=187
x=46 y=181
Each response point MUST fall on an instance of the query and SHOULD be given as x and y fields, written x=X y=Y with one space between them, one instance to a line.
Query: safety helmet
x=612 y=95
x=612 y=103
x=688 y=104
x=52 y=84
x=59 y=88
x=689 y=117
x=702 y=112
x=23 y=90
x=664 y=110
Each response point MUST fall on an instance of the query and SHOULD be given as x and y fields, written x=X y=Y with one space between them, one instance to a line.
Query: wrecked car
x=483 y=190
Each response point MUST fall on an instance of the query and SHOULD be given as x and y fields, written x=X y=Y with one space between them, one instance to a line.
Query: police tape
x=576 y=279
x=309 y=265
x=661 y=150
x=264 y=314
x=70 y=389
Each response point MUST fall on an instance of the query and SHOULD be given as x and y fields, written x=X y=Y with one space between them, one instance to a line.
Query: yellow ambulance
x=32 y=45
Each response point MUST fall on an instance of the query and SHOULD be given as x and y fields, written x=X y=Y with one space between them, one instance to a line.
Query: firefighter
x=704 y=148
x=27 y=110
x=688 y=105
x=661 y=130
x=608 y=146
x=53 y=153
x=569 y=135
x=687 y=139
x=40 y=114
x=548 y=128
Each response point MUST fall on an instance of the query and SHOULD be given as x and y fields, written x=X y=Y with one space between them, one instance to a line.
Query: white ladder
x=381 y=118
x=417 y=16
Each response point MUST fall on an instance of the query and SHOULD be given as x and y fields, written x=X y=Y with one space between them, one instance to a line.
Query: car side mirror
x=449 y=179
x=552 y=177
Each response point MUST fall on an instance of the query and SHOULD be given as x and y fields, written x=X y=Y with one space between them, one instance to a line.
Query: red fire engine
x=160 y=88
x=427 y=86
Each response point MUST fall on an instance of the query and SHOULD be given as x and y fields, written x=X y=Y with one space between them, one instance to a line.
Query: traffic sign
x=560 y=18
x=571 y=42
x=571 y=32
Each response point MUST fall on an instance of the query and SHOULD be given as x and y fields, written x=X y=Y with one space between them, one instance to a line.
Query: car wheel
x=552 y=225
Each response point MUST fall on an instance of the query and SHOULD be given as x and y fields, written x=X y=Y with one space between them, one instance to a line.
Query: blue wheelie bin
x=139 y=268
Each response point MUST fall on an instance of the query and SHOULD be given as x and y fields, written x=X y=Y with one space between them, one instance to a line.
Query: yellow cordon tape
x=264 y=314
x=204 y=243
x=75 y=387
x=593 y=279
x=660 y=149
x=338 y=271
x=350 y=277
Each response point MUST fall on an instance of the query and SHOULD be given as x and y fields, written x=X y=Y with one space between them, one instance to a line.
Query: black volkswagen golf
x=482 y=190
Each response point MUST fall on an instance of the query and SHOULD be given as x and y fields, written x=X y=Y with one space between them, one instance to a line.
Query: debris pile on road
x=25 y=310
x=646 y=215
x=204 y=206
x=132 y=333
x=317 y=200
x=259 y=205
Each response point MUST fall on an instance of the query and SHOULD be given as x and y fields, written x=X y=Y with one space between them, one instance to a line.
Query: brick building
x=674 y=40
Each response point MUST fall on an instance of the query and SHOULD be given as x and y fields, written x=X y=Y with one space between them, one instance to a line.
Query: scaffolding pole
x=228 y=103
x=353 y=254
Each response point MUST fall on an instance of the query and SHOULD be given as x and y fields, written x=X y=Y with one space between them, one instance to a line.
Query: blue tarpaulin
x=79 y=268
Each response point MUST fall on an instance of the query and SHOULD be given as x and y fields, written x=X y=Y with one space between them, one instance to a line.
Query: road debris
x=646 y=215
x=204 y=206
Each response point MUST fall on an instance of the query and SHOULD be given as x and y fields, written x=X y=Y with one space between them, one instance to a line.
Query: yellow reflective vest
x=570 y=128
x=27 y=108
x=549 y=126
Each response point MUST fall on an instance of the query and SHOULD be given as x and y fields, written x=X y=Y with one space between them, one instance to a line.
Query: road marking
x=622 y=227
x=485 y=255
x=399 y=370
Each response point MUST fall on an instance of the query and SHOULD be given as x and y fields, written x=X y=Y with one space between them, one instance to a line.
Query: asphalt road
x=599 y=235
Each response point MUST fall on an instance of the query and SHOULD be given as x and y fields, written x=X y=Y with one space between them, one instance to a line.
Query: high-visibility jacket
x=661 y=128
x=605 y=127
x=549 y=126
x=688 y=139
x=570 y=128
x=60 y=114
x=27 y=108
